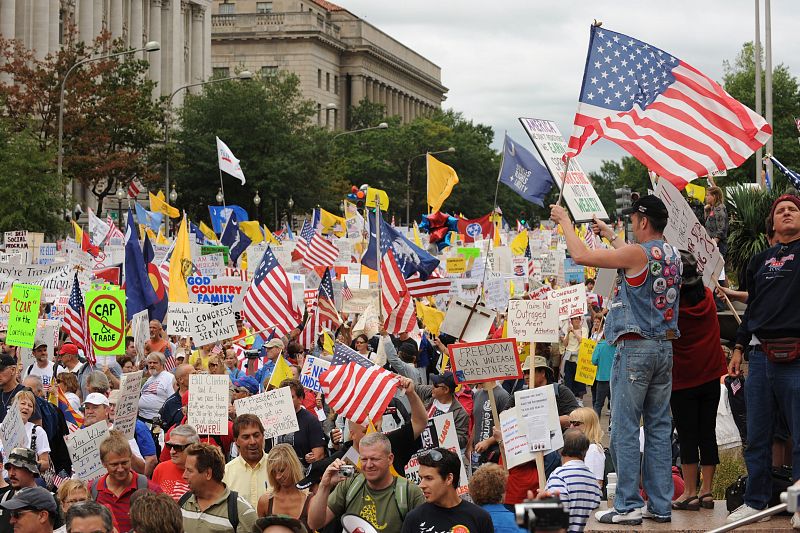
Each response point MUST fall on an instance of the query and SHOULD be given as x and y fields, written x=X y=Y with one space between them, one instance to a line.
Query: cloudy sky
x=510 y=58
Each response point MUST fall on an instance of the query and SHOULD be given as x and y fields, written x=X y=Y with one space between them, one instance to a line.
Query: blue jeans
x=641 y=385
x=765 y=381
x=602 y=393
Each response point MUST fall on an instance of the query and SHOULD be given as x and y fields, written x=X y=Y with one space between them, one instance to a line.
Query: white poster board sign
x=12 y=430
x=212 y=265
x=480 y=321
x=215 y=324
x=84 y=450
x=685 y=232
x=179 y=317
x=579 y=194
x=539 y=413
x=208 y=403
x=571 y=301
x=312 y=370
x=515 y=438
x=140 y=327
x=533 y=320
x=130 y=389
x=275 y=410
x=495 y=292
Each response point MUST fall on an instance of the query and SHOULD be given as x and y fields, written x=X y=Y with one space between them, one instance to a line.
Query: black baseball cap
x=648 y=205
x=35 y=498
x=6 y=361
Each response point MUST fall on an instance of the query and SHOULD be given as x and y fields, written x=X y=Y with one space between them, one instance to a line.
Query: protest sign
x=519 y=266
x=539 y=413
x=571 y=301
x=456 y=265
x=140 y=329
x=458 y=312
x=105 y=316
x=23 y=317
x=208 y=249
x=84 y=450
x=227 y=290
x=573 y=272
x=215 y=324
x=312 y=369
x=550 y=264
x=208 y=403
x=502 y=260
x=12 y=430
x=211 y=265
x=469 y=252
x=586 y=371
x=533 y=320
x=179 y=315
x=440 y=432
x=478 y=362
x=47 y=333
x=495 y=292
x=130 y=388
x=684 y=232
x=362 y=298
x=540 y=293
x=579 y=194
x=466 y=289
x=275 y=410
x=605 y=282
x=515 y=438
x=47 y=253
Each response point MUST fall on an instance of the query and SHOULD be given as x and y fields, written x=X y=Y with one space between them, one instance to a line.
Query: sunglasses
x=177 y=447
x=434 y=454
x=19 y=512
x=576 y=423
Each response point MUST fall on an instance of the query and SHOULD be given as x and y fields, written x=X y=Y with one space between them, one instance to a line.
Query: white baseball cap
x=96 y=398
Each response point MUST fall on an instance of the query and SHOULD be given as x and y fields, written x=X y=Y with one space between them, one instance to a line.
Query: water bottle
x=611 y=491
x=612 y=478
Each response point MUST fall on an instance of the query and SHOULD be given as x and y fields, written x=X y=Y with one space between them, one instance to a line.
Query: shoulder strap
x=233 y=510
x=185 y=498
x=33 y=439
x=401 y=496
x=269 y=505
x=94 y=488
x=141 y=482
x=353 y=490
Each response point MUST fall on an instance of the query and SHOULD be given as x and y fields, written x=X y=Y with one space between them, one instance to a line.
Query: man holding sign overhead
x=641 y=323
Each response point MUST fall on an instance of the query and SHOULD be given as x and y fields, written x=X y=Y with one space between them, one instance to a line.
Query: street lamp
x=243 y=75
x=381 y=126
x=173 y=195
x=120 y=194
x=220 y=197
x=290 y=203
x=408 y=179
x=152 y=46
x=328 y=108
x=257 y=199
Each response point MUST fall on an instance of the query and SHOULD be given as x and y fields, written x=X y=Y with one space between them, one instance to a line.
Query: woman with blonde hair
x=585 y=419
x=70 y=492
x=34 y=436
x=717 y=219
x=216 y=365
x=283 y=496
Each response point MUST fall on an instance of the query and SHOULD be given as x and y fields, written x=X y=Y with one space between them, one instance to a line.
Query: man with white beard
x=156 y=390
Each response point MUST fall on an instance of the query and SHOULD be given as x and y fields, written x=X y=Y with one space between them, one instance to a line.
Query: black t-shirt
x=6 y=493
x=404 y=445
x=308 y=437
x=430 y=518
x=5 y=400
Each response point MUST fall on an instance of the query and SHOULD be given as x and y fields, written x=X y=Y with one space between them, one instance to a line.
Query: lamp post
x=290 y=203
x=120 y=194
x=408 y=179
x=257 y=203
x=152 y=46
x=381 y=126
x=220 y=197
x=243 y=75
x=328 y=108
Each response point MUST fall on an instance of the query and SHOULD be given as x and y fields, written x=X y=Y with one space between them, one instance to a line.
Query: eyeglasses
x=177 y=447
x=213 y=365
x=19 y=512
x=576 y=423
x=434 y=454
x=81 y=500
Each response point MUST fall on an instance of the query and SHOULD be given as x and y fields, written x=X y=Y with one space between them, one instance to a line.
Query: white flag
x=228 y=162
x=97 y=228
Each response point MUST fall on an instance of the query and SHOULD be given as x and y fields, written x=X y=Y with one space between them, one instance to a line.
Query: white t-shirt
x=596 y=460
x=155 y=392
x=46 y=373
x=42 y=444
x=74 y=401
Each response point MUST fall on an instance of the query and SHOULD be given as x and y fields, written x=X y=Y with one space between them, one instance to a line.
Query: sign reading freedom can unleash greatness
x=478 y=362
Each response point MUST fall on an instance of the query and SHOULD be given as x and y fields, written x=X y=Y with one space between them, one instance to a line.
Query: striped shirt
x=214 y=519
x=578 y=490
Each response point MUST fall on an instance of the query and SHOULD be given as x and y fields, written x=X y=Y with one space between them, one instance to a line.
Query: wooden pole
x=728 y=303
x=489 y=387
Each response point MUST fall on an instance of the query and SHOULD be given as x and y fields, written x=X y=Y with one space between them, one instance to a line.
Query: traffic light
x=358 y=196
x=624 y=199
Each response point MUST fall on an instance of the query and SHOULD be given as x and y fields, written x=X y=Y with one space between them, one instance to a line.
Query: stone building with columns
x=339 y=58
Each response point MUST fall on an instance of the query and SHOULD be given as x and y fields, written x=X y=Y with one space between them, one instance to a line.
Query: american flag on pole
x=435 y=284
x=311 y=329
x=397 y=304
x=269 y=301
x=794 y=177
x=531 y=265
x=321 y=252
x=589 y=238
x=134 y=188
x=347 y=294
x=163 y=268
x=673 y=118
x=113 y=232
x=328 y=315
x=301 y=247
x=355 y=387
x=74 y=317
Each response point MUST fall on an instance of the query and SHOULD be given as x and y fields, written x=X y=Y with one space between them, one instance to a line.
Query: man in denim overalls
x=641 y=323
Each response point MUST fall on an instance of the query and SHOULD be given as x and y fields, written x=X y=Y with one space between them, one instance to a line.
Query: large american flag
x=531 y=265
x=435 y=284
x=321 y=252
x=355 y=387
x=794 y=177
x=312 y=327
x=269 y=301
x=301 y=247
x=673 y=118
x=74 y=317
x=401 y=313
x=328 y=315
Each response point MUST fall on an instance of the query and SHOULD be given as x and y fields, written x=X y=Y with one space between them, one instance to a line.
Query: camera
x=347 y=470
x=542 y=515
x=251 y=354
x=157 y=422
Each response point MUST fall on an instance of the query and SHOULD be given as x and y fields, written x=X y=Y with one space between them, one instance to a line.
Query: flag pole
x=222 y=188
x=563 y=180
x=378 y=253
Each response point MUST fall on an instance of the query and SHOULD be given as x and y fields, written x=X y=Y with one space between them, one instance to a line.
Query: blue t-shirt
x=144 y=439
x=603 y=358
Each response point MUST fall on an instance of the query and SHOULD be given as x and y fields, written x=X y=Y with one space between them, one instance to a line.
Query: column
x=86 y=20
x=395 y=100
x=376 y=85
x=54 y=38
x=368 y=88
x=8 y=15
x=357 y=89
x=167 y=48
x=154 y=34
x=196 y=53
x=41 y=27
x=115 y=18
x=382 y=96
x=97 y=18
x=136 y=28
x=207 y=47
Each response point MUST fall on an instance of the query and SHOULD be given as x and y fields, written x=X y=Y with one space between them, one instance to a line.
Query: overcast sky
x=503 y=59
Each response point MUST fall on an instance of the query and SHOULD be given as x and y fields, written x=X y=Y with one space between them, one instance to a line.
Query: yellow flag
x=252 y=229
x=332 y=224
x=159 y=205
x=696 y=191
x=180 y=265
x=441 y=180
x=496 y=237
x=78 y=233
x=281 y=371
x=162 y=239
x=151 y=235
x=371 y=429
x=519 y=243
x=431 y=318
x=208 y=232
x=417 y=238
x=327 y=342
x=269 y=237
x=445 y=362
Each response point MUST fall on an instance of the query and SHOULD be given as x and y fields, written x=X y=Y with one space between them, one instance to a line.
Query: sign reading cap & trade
x=105 y=312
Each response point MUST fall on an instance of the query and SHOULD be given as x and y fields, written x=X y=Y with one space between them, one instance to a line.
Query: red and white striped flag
x=673 y=118
x=397 y=304
x=269 y=300
x=74 y=316
x=134 y=188
x=113 y=232
x=328 y=315
x=589 y=238
x=311 y=329
x=321 y=252
x=355 y=387
x=435 y=284
x=347 y=294
x=240 y=273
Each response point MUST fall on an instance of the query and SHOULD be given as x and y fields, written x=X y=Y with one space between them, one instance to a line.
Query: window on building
x=319 y=114
x=221 y=72
x=327 y=81
x=263 y=7
x=227 y=9
x=336 y=85
x=319 y=78
x=268 y=70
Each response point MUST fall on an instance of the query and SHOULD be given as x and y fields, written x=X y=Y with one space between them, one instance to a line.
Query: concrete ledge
x=693 y=521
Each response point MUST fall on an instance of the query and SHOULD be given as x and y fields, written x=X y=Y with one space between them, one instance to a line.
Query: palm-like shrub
x=748 y=208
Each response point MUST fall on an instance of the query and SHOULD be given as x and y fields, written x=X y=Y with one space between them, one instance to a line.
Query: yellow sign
x=456 y=265
x=586 y=370
x=373 y=193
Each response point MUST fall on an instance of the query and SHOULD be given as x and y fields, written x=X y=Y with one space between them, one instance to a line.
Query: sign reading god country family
x=207 y=290
x=581 y=197
x=478 y=362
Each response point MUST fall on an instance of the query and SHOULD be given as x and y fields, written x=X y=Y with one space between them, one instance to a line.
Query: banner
x=312 y=369
x=24 y=315
x=105 y=316
x=54 y=279
x=130 y=389
x=214 y=325
x=533 y=320
x=208 y=403
x=275 y=410
x=479 y=362
x=586 y=372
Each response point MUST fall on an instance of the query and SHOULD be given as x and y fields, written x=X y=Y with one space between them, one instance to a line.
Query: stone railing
x=272 y=22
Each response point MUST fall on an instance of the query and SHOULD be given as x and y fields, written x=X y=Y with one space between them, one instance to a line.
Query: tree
x=27 y=178
x=110 y=119
x=629 y=172
x=267 y=124
x=739 y=81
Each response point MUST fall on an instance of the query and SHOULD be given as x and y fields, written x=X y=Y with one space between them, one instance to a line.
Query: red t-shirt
x=521 y=479
x=170 y=478
x=120 y=506
x=697 y=356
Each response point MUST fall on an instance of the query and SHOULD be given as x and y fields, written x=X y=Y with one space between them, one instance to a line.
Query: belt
x=630 y=337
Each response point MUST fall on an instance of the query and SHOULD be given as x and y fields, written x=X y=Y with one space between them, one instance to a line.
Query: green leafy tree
x=628 y=172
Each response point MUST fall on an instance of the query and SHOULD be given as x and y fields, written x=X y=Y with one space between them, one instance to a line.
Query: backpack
x=141 y=484
x=400 y=494
x=233 y=510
